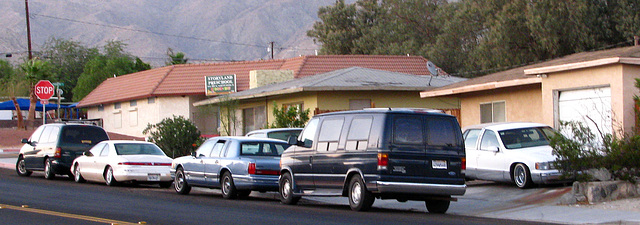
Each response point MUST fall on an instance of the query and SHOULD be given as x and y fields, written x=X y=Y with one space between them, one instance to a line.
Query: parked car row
x=402 y=154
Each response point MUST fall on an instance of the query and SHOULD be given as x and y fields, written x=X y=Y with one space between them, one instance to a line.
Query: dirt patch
x=10 y=137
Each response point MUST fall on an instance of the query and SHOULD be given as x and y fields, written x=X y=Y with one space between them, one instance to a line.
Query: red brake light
x=252 y=168
x=464 y=163
x=383 y=161
x=58 y=153
x=144 y=164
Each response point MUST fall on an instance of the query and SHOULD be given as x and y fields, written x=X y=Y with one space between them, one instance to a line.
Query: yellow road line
x=66 y=215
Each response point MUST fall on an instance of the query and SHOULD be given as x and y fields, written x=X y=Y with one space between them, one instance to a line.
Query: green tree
x=228 y=116
x=67 y=59
x=289 y=116
x=337 y=28
x=114 y=62
x=176 y=136
x=35 y=70
x=176 y=58
x=13 y=84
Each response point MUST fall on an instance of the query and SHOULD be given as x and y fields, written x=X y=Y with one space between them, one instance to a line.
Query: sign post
x=44 y=90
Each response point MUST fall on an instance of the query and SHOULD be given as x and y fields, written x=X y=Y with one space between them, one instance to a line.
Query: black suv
x=403 y=154
x=53 y=147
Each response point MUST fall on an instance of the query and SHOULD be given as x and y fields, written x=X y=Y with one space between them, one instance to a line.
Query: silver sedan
x=236 y=165
x=113 y=162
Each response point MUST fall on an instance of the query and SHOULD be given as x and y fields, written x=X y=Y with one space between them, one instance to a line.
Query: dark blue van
x=403 y=154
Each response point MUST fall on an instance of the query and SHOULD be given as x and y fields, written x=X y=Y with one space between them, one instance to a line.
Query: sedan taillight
x=252 y=170
x=58 y=153
x=144 y=164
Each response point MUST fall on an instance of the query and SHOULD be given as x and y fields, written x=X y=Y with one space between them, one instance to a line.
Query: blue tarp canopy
x=24 y=105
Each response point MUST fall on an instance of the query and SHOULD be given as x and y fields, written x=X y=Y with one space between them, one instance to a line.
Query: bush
x=289 y=116
x=583 y=150
x=176 y=136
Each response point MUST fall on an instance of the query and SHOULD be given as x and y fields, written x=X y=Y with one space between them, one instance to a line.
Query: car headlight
x=545 y=166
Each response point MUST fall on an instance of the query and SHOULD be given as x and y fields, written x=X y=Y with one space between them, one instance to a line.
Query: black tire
x=244 y=193
x=21 y=168
x=286 y=190
x=437 y=206
x=108 y=177
x=228 y=187
x=522 y=176
x=165 y=184
x=180 y=184
x=77 y=176
x=49 y=173
x=360 y=199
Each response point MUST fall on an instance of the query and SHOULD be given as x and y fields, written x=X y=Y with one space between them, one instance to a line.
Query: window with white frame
x=493 y=112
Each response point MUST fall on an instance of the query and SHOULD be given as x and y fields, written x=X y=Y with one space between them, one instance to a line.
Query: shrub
x=289 y=116
x=176 y=136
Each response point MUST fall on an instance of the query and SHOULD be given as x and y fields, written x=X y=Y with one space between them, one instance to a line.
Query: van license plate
x=439 y=164
x=153 y=177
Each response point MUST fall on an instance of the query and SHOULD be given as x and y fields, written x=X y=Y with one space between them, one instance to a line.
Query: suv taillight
x=383 y=161
x=58 y=153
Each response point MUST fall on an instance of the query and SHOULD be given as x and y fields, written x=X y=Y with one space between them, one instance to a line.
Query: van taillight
x=383 y=161
x=58 y=153
x=464 y=163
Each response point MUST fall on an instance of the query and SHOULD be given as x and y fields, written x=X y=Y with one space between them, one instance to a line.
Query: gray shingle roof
x=349 y=79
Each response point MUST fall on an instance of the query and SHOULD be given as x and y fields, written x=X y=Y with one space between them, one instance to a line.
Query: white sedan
x=113 y=162
x=511 y=152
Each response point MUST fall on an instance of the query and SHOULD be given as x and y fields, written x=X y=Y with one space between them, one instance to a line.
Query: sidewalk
x=474 y=204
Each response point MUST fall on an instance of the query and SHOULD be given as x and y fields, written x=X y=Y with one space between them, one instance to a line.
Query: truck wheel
x=360 y=199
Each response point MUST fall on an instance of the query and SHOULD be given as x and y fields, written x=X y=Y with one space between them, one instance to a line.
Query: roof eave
x=480 y=87
x=217 y=100
x=582 y=65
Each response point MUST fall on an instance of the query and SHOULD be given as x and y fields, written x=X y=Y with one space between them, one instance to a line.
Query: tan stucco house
x=346 y=89
x=590 y=87
x=128 y=103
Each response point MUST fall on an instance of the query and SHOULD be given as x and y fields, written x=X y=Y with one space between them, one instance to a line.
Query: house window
x=100 y=108
x=151 y=100
x=493 y=112
x=133 y=103
x=299 y=106
x=117 y=105
x=254 y=118
x=358 y=104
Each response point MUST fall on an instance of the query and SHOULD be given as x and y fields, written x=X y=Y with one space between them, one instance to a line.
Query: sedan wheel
x=108 y=177
x=77 y=176
x=360 y=199
x=286 y=190
x=228 y=188
x=21 y=168
x=180 y=183
x=49 y=174
x=522 y=176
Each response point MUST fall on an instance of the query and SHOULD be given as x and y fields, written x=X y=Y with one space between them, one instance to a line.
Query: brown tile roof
x=188 y=79
x=519 y=74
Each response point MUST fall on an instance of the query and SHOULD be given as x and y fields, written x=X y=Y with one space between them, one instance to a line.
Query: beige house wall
x=339 y=100
x=132 y=120
x=522 y=104
x=618 y=77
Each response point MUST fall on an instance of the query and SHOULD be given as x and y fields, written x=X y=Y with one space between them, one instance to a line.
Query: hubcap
x=77 y=174
x=226 y=185
x=22 y=167
x=355 y=193
x=286 y=188
x=180 y=181
x=109 y=175
x=47 y=168
x=520 y=175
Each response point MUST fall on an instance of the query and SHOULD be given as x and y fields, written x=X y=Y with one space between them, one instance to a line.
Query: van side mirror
x=193 y=154
x=292 y=140
x=494 y=148
x=87 y=153
x=26 y=141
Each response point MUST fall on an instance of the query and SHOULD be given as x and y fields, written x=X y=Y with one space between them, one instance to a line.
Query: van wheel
x=77 y=176
x=522 y=176
x=286 y=190
x=180 y=183
x=437 y=206
x=49 y=174
x=108 y=177
x=360 y=199
x=21 y=168
x=228 y=188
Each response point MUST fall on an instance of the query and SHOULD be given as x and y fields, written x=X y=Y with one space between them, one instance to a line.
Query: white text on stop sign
x=44 y=90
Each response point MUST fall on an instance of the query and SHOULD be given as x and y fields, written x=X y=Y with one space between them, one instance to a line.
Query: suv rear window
x=83 y=135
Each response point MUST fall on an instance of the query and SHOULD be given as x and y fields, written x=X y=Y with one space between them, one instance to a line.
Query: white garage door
x=590 y=106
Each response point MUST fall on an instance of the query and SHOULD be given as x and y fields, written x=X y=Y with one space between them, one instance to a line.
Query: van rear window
x=407 y=130
x=83 y=135
x=443 y=132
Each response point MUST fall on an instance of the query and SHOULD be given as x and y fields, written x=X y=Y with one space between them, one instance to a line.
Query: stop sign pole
x=44 y=90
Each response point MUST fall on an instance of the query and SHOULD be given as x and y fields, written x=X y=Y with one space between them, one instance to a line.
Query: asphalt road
x=34 y=200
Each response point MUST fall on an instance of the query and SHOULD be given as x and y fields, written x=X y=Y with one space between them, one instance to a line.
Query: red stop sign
x=44 y=89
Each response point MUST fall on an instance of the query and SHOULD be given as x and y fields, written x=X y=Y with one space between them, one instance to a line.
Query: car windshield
x=262 y=148
x=283 y=135
x=137 y=149
x=525 y=137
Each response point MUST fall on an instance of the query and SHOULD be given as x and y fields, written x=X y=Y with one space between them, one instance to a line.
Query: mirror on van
x=292 y=140
x=492 y=149
x=25 y=141
x=87 y=153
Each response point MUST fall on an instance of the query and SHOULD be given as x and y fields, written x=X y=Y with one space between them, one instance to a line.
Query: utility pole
x=26 y=7
x=271 y=47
